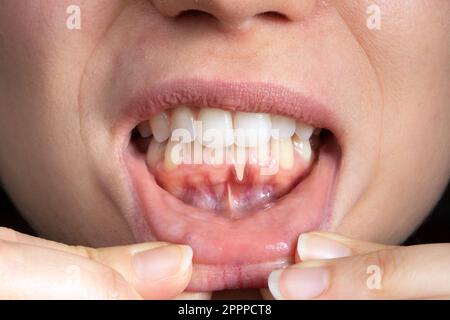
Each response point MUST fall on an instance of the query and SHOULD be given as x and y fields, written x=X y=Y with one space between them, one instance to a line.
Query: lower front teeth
x=213 y=136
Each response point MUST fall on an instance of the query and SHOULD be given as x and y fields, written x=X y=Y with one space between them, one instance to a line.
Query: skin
x=393 y=92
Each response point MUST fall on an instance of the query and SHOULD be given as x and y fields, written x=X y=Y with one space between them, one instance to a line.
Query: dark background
x=435 y=229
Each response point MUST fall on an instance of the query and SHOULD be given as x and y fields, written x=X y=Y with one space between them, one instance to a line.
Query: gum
x=217 y=187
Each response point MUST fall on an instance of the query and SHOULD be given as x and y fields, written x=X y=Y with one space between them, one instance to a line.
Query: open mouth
x=237 y=172
x=230 y=163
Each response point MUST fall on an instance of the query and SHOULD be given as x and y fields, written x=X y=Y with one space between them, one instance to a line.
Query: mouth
x=235 y=170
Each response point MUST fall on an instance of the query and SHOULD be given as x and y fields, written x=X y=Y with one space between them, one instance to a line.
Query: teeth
x=160 y=126
x=264 y=154
x=253 y=138
x=176 y=153
x=144 y=129
x=284 y=126
x=213 y=156
x=217 y=128
x=239 y=170
x=155 y=152
x=304 y=130
x=283 y=152
x=252 y=128
x=286 y=154
x=240 y=159
x=303 y=148
x=183 y=118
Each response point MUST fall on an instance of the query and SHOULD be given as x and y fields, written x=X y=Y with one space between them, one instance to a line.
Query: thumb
x=325 y=245
x=347 y=269
x=156 y=270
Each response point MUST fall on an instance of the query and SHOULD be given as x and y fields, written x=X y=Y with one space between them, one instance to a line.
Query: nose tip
x=237 y=14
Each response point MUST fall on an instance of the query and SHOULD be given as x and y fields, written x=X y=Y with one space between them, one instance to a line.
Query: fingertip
x=186 y=260
x=316 y=246
x=273 y=283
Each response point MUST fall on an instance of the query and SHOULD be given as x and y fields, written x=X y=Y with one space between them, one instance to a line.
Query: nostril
x=192 y=13
x=273 y=15
x=195 y=14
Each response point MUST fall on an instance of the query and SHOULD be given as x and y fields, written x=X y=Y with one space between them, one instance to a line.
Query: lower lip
x=231 y=254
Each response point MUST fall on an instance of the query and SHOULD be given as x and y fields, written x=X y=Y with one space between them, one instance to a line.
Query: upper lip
x=240 y=96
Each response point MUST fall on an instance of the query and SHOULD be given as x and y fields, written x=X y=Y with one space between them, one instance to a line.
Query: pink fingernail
x=316 y=247
x=298 y=283
x=162 y=262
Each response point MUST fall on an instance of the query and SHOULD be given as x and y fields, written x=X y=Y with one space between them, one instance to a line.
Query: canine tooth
x=303 y=148
x=183 y=118
x=252 y=128
x=217 y=127
x=304 y=130
x=155 y=152
x=284 y=125
x=144 y=129
x=239 y=170
x=160 y=126
x=239 y=161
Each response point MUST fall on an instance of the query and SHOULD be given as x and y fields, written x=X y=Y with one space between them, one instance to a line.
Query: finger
x=11 y=235
x=156 y=270
x=323 y=245
x=414 y=272
x=31 y=272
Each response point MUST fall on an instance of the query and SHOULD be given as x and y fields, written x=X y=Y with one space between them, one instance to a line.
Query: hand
x=334 y=267
x=33 y=268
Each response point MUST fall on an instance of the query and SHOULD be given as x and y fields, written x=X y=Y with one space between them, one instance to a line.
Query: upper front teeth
x=252 y=129
x=183 y=118
x=284 y=125
x=216 y=121
x=219 y=129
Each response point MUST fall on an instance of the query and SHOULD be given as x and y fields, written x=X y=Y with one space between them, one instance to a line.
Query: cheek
x=411 y=54
x=41 y=64
x=40 y=55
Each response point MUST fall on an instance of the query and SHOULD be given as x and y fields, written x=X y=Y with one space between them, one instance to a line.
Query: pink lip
x=241 y=96
x=232 y=253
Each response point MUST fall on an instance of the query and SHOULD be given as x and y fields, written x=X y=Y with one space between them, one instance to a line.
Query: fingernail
x=298 y=283
x=162 y=262
x=316 y=247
